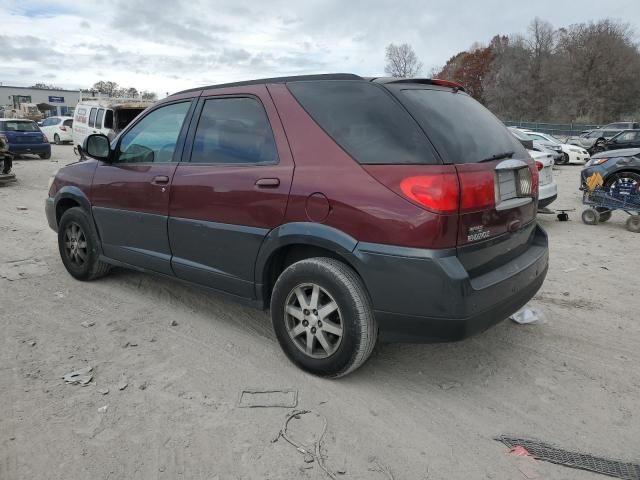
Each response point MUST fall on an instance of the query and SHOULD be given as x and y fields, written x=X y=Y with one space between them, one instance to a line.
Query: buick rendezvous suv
x=353 y=208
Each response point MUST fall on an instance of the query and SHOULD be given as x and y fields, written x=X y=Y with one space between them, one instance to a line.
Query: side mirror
x=97 y=146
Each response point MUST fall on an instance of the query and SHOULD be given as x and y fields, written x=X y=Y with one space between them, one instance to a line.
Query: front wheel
x=633 y=223
x=322 y=317
x=78 y=246
x=590 y=216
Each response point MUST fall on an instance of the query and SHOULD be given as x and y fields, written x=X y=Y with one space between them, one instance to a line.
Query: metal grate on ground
x=582 y=461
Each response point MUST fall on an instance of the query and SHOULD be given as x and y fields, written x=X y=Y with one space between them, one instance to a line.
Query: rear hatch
x=21 y=132
x=497 y=177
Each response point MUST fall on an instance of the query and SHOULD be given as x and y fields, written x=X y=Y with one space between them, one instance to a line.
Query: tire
x=45 y=156
x=352 y=315
x=75 y=229
x=633 y=223
x=590 y=216
x=604 y=214
x=624 y=179
x=56 y=139
x=565 y=159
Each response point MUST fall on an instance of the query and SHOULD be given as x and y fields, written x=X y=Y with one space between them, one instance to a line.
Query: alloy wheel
x=313 y=321
x=75 y=244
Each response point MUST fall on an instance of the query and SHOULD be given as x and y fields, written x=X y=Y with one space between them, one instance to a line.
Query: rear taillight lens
x=44 y=138
x=535 y=178
x=478 y=191
x=63 y=128
x=539 y=165
x=438 y=192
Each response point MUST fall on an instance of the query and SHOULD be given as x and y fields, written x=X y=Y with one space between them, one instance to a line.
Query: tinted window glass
x=99 y=118
x=153 y=139
x=19 y=126
x=68 y=123
x=365 y=121
x=92 y=117
x=233 y=130
x=55 y=121
x=462 y=130
x=108 y=119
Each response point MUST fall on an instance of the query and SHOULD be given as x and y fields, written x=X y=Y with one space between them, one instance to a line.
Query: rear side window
x=99 y=118
x=55 y=121
x=92 y=118
x=461 y=129
x=233 y=131
x=108 y=119
x=365 y=121
x=68 y=123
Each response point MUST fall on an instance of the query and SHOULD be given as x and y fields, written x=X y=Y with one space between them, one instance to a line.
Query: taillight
x=535 y=178
x=539 y=165
x=63 y=128
x=477 y=187
x=44 y=138
x=438 y=192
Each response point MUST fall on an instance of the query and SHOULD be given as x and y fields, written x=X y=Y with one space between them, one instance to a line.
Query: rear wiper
x=497 y=156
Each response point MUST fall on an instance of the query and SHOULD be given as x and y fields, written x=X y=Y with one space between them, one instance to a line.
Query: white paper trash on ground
x=527 y=315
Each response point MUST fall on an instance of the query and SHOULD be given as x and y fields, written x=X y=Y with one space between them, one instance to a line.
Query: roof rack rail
x=262 y=81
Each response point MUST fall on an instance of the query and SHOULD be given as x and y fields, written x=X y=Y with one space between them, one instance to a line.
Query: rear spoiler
x=424 y=81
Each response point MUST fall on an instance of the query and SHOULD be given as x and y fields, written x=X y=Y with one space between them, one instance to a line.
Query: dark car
x=625 y=139
x=622 y=126
x=593 y=141
x=620 y=170
x=353 y=208
x=24 y=137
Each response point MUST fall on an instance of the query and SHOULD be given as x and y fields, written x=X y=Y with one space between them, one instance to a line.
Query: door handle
x=268 y=182
x=160 y=180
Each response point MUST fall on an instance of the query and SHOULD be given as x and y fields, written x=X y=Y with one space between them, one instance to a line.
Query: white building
x=62 y=101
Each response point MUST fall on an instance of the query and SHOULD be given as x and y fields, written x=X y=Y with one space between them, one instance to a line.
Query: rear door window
x=461 y=129
x=55 y=121
x=365 y=120
x=68 y=123
x=92 y=117
x=233 y=131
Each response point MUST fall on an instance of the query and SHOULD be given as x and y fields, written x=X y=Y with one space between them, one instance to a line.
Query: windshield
x=461 y=129
x=19 y=126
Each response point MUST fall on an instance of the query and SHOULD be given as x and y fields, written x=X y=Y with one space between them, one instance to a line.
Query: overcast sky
x=168 y=45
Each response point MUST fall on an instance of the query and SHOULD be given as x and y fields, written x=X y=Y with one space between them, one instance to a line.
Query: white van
x=107 y=116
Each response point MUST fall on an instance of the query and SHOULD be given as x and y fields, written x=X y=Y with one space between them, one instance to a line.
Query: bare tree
x=402 y=61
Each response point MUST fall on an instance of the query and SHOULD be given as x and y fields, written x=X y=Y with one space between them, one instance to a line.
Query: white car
x=570 y=153
x=58 y=129
x=547 y=187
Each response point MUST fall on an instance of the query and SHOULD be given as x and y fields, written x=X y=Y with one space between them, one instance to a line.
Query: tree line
x=108 y=88
x=586 y=73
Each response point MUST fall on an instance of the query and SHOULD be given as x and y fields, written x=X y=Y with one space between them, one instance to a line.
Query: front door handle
x=160 y=180
x=268 y=182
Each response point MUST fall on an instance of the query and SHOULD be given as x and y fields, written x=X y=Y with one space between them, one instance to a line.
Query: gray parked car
x=539 y=145
x=594 y=140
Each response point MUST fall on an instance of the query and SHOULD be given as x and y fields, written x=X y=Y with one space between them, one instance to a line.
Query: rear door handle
x=160 y=180
x=268 y=182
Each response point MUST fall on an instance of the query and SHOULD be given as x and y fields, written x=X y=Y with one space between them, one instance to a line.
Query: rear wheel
x=78 y=246
x=590 y=216
x=625 y=183
x=56 y=139
x=45 y=156
x=322 y=317
x=605 y=214
x=633 y=223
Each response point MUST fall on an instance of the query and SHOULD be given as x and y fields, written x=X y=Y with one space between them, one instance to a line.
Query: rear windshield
x=68 y=123
x=19 y=126
x=365 y=120
x=461 y=129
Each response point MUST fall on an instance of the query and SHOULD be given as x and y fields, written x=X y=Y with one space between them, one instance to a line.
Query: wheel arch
x=69 y=197
x=296 y=241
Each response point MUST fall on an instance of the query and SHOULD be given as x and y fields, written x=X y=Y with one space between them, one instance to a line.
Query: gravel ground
x=416 y=411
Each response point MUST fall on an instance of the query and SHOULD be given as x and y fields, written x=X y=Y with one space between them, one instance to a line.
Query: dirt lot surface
x=412 y=412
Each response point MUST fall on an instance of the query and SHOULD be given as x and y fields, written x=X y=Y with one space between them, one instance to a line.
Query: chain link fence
x=555 y=129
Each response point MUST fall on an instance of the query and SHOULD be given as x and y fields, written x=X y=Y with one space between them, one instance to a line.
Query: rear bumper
x=427 y=295
x=26 y=148
x=547 y=193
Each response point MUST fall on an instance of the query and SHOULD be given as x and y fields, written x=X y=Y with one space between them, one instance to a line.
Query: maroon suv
x=354 y=208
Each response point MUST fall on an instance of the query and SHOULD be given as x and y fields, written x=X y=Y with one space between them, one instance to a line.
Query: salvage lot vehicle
x=410 y=180
x=547 y=190
x=58 y=129
x=594 y=140
x=107 y=116
x=619 y=169
x=570 y=153
x=625 y=139
x=24 y=137
x=539 y=145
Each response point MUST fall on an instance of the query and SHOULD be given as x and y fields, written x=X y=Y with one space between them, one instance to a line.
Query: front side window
x=92 y=117
x=153 y=139
x=234 y=131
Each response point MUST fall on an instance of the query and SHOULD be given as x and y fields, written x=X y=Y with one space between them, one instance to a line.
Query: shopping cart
x=602 y=202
